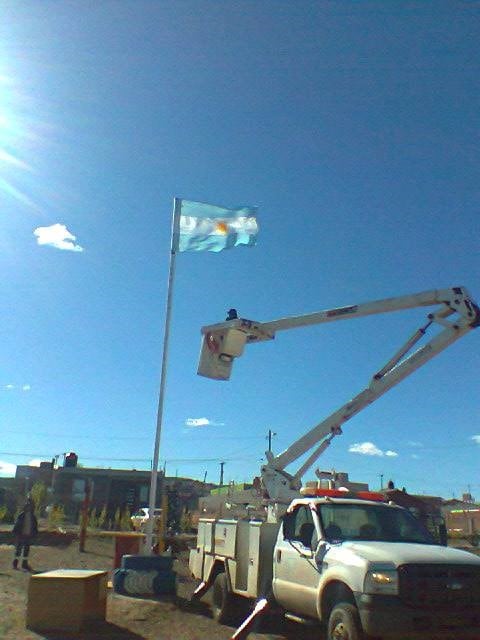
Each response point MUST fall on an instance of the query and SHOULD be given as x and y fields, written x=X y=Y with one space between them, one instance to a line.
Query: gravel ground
x=127 y=618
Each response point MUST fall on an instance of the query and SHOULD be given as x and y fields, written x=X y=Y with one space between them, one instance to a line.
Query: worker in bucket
x=24 y=530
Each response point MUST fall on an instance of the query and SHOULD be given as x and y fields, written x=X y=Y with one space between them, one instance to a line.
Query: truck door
x=295 y=574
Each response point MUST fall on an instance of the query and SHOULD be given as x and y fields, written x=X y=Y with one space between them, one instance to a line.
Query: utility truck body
x=351 y=561
x=365 y=566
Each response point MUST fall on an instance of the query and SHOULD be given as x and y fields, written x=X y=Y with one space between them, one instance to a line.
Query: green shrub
x=102 y=518
x=474 y=539
x=56 y=517
x=125 y=522
x=38 y=493
x=117 y=519
x=185 y=522
x=93 y=519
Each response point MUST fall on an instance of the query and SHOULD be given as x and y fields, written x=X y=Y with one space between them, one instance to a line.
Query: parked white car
x=139 y=519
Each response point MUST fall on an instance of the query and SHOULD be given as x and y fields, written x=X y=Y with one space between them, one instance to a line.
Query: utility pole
x=221 y=473
x=381 y=481
x=270 y=434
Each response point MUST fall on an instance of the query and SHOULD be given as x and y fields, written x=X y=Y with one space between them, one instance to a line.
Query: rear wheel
x=344 y=623
x=225 y=608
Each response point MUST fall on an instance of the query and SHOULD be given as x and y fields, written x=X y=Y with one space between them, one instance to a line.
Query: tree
x=186 y=522
x=125 y=522
x=38 y=494
x=102 y=518
x=56 y=517
x=93 y=519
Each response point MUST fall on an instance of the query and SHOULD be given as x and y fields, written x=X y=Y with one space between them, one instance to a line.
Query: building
x=8 y=498
x=336 y=479
x=462 y=517
x=427 y=509
x=111 y=489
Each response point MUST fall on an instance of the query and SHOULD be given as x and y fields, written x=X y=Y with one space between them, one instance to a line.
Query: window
x=78 y=489
x=144 y=491
x=299 y=526
x=371 y=522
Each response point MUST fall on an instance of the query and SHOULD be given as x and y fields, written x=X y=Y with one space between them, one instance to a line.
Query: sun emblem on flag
x=221 y=228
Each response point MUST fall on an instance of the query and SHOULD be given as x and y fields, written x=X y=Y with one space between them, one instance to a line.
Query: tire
x=224 y=609
x=344 y=623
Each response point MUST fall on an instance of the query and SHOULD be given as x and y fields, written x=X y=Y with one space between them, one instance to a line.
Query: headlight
x=382 y=581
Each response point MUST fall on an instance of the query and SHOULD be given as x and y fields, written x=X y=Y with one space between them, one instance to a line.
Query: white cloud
x=58 y=236
x=7 y=469
x=414 y=443
x=415 y=456
x=476 y=439
x=365 y=448
x=197 y=422
x=35 y=462
x=10 y=387
x=370 y=449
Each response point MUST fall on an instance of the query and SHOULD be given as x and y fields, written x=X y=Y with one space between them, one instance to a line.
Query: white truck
x=361 y=566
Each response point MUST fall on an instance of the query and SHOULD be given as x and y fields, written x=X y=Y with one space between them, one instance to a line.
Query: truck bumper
x=387 y=617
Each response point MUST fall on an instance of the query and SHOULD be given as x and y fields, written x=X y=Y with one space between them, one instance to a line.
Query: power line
x=48 y=434
x=64 y=436
x=48 y=456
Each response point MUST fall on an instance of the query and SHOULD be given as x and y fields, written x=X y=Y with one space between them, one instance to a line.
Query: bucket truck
x=351 y=561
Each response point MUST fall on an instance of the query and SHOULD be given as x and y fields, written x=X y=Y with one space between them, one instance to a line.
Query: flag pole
x=177 y=203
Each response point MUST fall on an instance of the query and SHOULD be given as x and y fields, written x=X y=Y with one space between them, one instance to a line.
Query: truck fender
x=333 y=592
x=349 y=575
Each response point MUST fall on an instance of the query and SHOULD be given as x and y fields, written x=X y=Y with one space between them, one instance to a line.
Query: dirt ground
x=173 y=618
x=127 y=618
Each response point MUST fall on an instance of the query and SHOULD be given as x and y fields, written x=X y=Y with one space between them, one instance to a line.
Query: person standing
x=24 y=530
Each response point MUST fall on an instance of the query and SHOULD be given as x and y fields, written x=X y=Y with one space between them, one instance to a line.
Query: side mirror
x=442 y=535
x=320 y=551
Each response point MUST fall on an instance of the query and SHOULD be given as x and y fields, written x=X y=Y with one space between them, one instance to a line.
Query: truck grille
x=432 y=586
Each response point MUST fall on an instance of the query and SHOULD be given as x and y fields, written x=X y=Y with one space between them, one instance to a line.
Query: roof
x=327 y=500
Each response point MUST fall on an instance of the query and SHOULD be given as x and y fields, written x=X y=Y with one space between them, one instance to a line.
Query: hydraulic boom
x=455 y=314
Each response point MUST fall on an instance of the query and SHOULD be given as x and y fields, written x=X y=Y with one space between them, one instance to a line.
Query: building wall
x=464 y=520
x=110 y=488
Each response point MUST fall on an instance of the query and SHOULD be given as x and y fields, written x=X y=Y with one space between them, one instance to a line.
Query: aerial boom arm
x=225 y=341
x=452 y=302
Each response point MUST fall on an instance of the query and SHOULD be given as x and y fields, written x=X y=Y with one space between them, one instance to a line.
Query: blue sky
x=353 y=126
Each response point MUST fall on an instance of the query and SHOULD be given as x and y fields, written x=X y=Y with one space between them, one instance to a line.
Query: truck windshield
x=371 y=522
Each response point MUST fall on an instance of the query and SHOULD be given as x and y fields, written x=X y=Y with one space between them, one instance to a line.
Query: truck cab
x=367 y=565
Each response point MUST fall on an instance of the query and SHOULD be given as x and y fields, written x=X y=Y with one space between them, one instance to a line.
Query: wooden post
x=84 y=517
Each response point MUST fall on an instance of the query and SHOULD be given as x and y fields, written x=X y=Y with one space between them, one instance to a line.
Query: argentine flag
x=207 y=227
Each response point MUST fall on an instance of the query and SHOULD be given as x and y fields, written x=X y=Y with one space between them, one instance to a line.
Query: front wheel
x=344 y=623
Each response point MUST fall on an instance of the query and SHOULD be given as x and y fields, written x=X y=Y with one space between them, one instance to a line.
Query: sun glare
x=13 y=134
